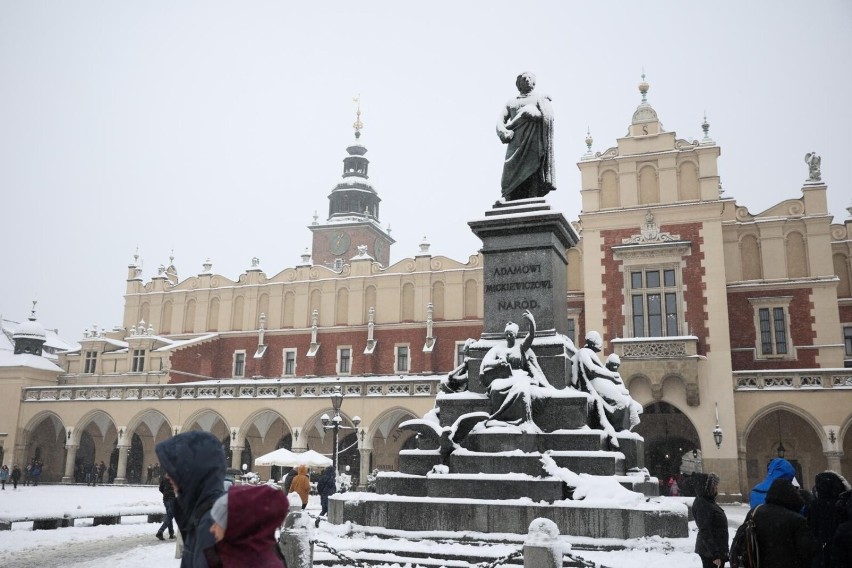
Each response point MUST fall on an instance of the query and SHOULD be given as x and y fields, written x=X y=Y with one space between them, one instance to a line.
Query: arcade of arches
x=69 y=450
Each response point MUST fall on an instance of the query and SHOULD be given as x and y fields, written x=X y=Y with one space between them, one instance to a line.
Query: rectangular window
x=459 y=352
x=344 y=360
x=90 y=362
x=402 y=358
x=137 y=364
x=239 y=363
x=289 y=362
x=654 y=302
x=571 y=330
x=771 y=326
x=847 y=338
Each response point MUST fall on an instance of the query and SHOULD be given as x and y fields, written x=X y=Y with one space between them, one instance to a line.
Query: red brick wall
x=214 y=358
x=845 y=314
x=744 y=334
x=693 y=280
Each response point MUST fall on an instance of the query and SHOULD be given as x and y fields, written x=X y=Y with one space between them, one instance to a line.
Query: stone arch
x=207 y=420
x=471 y=298
x=315 y=437
x=797 y=256
x=649 y=185
x=166 y=317
x=145 y=313
x=145 y=430
x=751 y=262
x=238 y=313
x=609 y=189
x=407 y=302
x=288 y=307
x=688 y=186
x=369 y=302
x=669 y=434
x=264 y=431
x=386 y=439
x=841 y=269
x=263 y=307
x=642 y=388
x=189 y=317
x=575 y=269
x=102 y=433
x=438 y=300
x=341 y=313
x=677 y=387
x=45 y=437
x=801 y=435
x=213 y=314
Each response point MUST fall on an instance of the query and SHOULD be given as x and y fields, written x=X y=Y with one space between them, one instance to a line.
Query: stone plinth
x=594 y=463
x=565 y=410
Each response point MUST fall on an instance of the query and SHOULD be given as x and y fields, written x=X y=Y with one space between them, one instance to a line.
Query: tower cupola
x=30 y=336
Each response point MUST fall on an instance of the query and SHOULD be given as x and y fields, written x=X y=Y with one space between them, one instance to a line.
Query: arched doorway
x=322 y=441
x=46 y=444
x=783 y=433
x=669 y=434
x=135 y=460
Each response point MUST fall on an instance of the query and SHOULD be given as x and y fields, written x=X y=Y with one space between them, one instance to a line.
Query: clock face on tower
x=339 y=243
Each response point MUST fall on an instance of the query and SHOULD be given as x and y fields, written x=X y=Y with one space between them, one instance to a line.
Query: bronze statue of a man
x=526 y=125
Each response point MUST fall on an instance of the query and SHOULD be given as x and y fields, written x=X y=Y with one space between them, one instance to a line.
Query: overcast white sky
x=218 y=128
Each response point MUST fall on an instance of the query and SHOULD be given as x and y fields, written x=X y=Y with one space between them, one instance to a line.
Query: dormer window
x=90 y=362
x=137 y=363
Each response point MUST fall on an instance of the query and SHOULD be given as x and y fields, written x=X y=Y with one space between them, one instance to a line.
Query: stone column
x=121 y=470
x=69 y=463
x=236 y=457
x=365 y=468
x=833 y=459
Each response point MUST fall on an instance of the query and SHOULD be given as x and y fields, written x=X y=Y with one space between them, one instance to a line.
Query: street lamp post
x=335 y=423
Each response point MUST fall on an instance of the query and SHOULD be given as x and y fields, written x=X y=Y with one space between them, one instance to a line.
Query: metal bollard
x=295 y=540
x=541 y=547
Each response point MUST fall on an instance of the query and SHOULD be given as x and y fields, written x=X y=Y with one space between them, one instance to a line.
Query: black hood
x=196 y=462
x=829 y=485
x=782 y=493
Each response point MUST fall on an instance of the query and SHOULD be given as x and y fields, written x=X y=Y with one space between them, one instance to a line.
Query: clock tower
x=353 y=214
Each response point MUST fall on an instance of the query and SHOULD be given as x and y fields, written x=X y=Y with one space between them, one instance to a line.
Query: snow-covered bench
x=99 y=516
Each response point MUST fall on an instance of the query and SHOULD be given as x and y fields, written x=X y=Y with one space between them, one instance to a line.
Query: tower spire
x=357 y=125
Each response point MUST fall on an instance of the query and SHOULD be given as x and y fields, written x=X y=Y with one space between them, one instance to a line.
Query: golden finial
x=358 y=125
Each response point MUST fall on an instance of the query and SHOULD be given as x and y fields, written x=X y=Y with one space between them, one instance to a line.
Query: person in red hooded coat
x=244 y=523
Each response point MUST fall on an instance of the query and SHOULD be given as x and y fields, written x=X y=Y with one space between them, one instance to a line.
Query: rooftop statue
x=813 y=161
x=526 y=125
x=509 y=369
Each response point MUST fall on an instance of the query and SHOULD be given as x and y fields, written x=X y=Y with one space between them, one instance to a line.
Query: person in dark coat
x=244 y=523
x=288 y=480
x=326 y=486
x=711 y=544
x=15 y=476
x=169 y=503
x=195 y=465
x=783 y=537
x=822 y=514
x=841 y=544
x=777 y=468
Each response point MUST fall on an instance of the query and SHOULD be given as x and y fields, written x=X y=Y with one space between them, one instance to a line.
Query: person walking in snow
x=326 y=486
x=101 y=472
x=778 y=468
x=195 y=465
x=36 y=472
x=302 y=484
x=245 y=519
x=168 y=492
x=4 y=476
x=711 y=544
x=15 y=476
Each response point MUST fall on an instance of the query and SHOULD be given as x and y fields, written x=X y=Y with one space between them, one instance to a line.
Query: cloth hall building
x=724 y=320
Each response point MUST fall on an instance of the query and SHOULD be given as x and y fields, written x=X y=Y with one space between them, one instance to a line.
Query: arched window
x=649 y=188
x=316 y=300
x=752 y=265
x=438 y=301
x=609 y=190
x=189 y=317
x=841 y=268
x=342 y=308
x=213 y=315
x=797 y=260
x=263 y=308
x=166 y=318
x=470 y=299
x=237 y=314
x=407 y=302
x=689 y=188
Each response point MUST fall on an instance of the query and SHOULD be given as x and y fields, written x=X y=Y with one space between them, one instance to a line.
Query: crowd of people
x=31 y=474
x=787 y=526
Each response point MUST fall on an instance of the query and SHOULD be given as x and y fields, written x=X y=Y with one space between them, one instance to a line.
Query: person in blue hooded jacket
x=194 y=463
x=778 y=468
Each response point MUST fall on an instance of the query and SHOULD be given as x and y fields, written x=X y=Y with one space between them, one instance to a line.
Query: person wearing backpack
x=711 y=544
x=783 y=537
x=195 y=465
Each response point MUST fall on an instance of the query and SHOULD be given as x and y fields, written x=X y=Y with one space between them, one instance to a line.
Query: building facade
x=725 y=321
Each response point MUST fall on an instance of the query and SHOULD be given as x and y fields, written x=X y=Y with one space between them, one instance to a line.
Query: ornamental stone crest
x=649 y=232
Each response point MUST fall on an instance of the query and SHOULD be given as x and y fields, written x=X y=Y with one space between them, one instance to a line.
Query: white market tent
x=285 y=458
